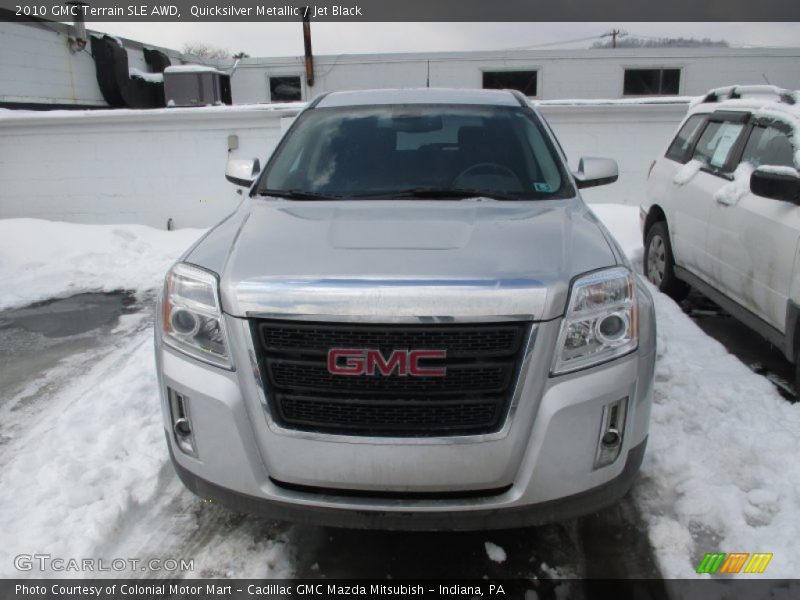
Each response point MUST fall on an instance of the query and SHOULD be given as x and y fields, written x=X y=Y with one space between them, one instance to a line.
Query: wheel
x=659 y=265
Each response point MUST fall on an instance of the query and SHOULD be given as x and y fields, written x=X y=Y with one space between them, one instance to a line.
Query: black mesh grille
x=389 y=415
x=472 y=397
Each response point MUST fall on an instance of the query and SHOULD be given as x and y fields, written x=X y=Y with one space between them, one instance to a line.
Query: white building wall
x=150 y=166
x=129 y=166
x=38 y=66
x=632 y=134
x=561 y=74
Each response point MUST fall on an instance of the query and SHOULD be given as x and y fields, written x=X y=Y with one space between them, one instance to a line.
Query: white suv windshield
x=416 y=151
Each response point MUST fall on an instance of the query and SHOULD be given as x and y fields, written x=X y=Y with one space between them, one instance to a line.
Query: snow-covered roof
x=191 y=69
x=152 y=77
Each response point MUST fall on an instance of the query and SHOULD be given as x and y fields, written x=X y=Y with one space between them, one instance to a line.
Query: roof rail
x=736 y=92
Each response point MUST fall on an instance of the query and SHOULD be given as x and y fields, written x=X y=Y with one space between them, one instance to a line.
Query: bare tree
x=633 y=41
x=205 y=50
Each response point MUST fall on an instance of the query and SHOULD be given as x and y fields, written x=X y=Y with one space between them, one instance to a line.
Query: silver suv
x=412 y=321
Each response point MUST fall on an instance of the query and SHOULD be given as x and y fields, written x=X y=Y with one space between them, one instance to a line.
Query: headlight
x=191 y=315
x=601 y=322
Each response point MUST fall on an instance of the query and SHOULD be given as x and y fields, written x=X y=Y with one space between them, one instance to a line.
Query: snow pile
x=737 y=188
x=495 y=552
x=686 y=172
x=45 y=259
x=721 y=469
x=94 y=453
x=91 y=470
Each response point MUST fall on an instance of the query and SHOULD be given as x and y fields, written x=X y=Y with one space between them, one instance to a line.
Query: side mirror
x=242 y=172
x=596 y=171
x=778 y=183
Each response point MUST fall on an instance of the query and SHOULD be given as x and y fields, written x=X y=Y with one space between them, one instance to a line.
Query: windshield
x=435 y=151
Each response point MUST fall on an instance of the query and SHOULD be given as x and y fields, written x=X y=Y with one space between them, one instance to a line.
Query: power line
x=559 y=43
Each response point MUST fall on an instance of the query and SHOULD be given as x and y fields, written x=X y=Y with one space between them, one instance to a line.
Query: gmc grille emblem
x=360 y=361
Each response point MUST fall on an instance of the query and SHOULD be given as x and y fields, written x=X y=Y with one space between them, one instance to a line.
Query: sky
x=285 y=39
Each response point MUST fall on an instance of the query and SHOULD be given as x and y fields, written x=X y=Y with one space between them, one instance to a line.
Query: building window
x=285 y=89
x=652 y=82
x=524 y=81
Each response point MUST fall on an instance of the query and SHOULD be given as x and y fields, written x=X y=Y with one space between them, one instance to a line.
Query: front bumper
x=539 y=467
x=497 y=518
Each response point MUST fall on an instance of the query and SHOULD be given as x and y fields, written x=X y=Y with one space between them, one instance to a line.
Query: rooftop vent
x=196 y=85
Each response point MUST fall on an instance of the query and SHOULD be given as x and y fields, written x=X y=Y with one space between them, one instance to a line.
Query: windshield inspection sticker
x=542 y=187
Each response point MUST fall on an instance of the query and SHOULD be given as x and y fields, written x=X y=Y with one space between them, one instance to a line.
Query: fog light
x=181 y=424
x=612 y=438
x=612 y=427
x=182 y=428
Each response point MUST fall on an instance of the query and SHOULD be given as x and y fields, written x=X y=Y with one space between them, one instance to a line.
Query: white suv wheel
x=656 y=260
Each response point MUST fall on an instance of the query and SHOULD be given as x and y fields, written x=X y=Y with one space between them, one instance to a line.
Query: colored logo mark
x=734 y=562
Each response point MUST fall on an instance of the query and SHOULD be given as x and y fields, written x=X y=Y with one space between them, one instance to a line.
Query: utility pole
x=309 y=55
x=614 y=34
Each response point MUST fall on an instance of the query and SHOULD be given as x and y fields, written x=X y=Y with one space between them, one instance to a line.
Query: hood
x=399 y=259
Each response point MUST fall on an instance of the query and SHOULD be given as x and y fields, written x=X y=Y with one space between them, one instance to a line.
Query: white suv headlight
x=601 y=321
x=192 y=317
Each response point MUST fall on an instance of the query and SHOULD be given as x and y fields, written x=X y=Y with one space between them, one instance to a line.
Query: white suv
x=721 y=212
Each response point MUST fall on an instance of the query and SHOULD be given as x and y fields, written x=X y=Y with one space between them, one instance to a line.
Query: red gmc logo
x=359 y=361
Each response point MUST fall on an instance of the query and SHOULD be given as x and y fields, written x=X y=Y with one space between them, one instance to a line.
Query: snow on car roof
x=761 y=100
x=419 y=96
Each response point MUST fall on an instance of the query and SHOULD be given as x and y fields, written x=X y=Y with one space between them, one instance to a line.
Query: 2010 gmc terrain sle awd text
x=412 y=321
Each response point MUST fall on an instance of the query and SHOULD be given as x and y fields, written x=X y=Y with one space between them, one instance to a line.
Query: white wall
x=632 y=134
x=129 y=166
x=37 y=66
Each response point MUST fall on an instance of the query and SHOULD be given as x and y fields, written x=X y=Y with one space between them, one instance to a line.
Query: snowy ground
x=720 y=473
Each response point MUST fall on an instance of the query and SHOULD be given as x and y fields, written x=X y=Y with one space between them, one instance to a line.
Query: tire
x=659 y=264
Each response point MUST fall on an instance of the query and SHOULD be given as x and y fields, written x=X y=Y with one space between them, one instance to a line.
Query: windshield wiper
x=295 y=194
x=443 y=193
